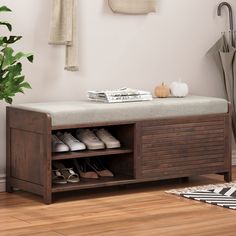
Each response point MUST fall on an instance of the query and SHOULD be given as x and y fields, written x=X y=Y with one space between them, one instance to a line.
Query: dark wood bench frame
x=154 y=149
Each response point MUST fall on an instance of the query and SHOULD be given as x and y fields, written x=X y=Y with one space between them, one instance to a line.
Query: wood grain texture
x=151 y=150
x=169 y=148
x=90 y=153
x=27 y=155
x=27 y=120
x=228 y=145
x=141 y=210
x=29 y=152
x=9 y=188
x=47 y=161
x=92 y=125
x=27 y=186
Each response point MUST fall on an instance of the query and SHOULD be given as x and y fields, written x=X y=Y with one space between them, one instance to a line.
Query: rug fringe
x=201 y=187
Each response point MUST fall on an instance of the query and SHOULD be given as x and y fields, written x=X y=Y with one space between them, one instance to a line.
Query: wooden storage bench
x=161 y=139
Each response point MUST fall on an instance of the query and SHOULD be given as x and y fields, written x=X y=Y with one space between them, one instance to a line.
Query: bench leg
x=228 y=176
x=47 y=198
x=184 y=179
x=9 y=188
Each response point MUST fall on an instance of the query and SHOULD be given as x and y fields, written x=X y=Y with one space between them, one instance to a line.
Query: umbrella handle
x=231 y=22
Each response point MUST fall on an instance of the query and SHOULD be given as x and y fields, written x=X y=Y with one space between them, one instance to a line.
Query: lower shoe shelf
x=92 y=183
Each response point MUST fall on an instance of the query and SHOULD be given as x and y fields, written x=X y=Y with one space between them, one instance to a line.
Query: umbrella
x=224 y=55
x=229 y=74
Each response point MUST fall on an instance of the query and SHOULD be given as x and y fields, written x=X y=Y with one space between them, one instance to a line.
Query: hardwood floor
x=140 y=210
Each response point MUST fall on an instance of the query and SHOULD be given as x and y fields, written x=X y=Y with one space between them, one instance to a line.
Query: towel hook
x=231 y=22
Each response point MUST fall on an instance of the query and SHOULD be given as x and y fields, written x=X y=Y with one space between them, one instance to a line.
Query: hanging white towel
x=64 y=30
x=132 y=6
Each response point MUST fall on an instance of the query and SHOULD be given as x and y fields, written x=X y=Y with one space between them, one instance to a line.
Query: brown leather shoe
x=99 y=168
x=84 y=170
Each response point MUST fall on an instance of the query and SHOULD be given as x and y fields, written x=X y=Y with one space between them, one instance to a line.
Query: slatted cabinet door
x=182 y=147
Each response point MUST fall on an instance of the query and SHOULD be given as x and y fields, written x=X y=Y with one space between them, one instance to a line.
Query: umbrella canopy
x=224 y=56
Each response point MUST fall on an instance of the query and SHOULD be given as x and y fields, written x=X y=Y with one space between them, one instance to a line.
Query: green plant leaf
x=8 y=100
x=11 y=79
x=11 y=39
x=30 y=57
x=20 y=79
x=4 y=41
x=25 y=85
x=21 y=91
x=4 y=9
x=7 y=24
x=8 y=56
x=14 y=70
x=1 y=58
x=1 y=41
x=10 y=59
x=20 y=55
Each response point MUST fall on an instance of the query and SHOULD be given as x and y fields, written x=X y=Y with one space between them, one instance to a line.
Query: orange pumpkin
x=162 y=91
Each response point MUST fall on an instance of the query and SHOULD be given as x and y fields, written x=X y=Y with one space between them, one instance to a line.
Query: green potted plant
x=11 y=79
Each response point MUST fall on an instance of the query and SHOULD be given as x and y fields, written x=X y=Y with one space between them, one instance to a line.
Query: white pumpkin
x=179 y=89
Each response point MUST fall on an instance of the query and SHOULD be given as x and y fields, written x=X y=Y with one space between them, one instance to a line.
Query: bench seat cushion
x=87 y=112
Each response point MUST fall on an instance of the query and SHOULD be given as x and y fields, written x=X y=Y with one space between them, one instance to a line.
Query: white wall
x=117 y=50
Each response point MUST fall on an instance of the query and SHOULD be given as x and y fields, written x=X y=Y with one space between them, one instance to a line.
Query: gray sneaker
x=89 y=139
x=58 y=145
x=109 y=140
x=73 y=143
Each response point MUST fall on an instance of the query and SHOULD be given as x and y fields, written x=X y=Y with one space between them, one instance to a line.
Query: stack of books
x=120 y=95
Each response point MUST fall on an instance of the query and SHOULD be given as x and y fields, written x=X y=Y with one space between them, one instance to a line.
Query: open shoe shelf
x=92 y=183
x=90 y=153
x=119 y=161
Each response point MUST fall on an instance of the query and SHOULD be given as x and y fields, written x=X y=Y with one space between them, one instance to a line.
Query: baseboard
x=234 y=157
x=2 y=183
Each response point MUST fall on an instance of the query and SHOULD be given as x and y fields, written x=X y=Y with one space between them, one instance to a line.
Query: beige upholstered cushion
x=133 y=6
x=87 y=112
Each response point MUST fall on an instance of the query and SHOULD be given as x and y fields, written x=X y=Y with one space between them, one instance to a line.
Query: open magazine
x=120 y=95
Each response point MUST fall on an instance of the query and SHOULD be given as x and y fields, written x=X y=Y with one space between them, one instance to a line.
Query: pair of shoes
x=92 y=169
x=63 y=175
x=97 y=139
x=57 y=177
x=92 y=139
x=98 y=166
x=66 y=142
x=84 y=170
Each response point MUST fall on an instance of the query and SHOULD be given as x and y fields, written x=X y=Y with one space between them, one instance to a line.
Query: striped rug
x=223 y=195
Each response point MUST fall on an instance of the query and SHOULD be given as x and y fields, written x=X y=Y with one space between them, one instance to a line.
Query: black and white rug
x=223 y=195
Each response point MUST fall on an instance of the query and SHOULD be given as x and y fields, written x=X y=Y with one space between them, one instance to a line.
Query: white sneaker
x=109 y=140
x=89 y=139
x=73 y=143
x=58 y=145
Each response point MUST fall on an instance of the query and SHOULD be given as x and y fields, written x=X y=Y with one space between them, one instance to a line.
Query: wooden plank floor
x=140 y=210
